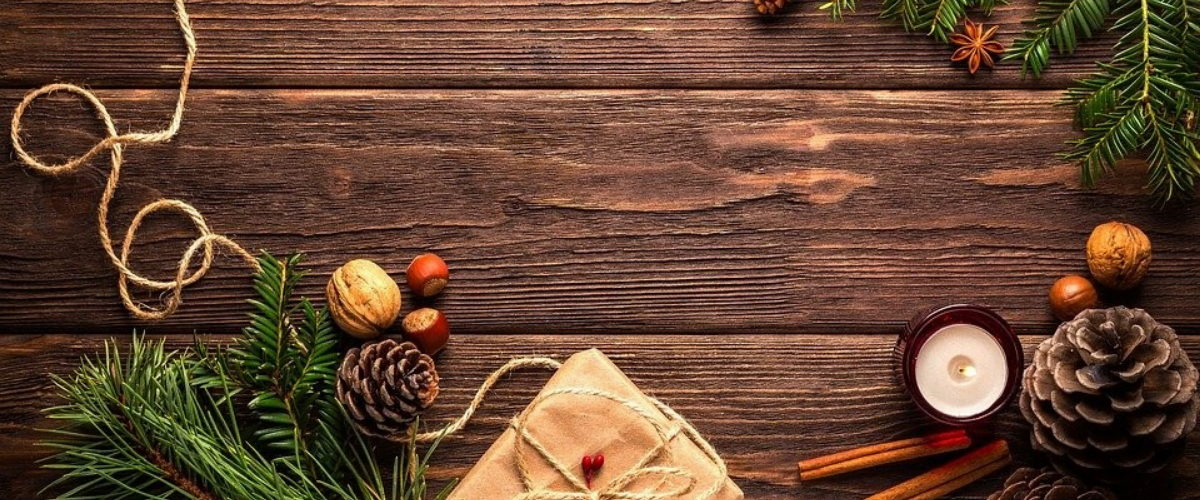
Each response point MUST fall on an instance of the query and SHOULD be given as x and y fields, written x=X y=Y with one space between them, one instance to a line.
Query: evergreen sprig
x=141 y=427
x=937 y=18
x=287 y=359
x=1144 y=101
x=838 y=8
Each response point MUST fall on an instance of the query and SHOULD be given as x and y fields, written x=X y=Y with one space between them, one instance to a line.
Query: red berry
x=598 y=461
x=587 y=465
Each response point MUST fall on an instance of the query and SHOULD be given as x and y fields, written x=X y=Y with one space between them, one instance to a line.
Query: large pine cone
x=1111 y=396
x=1047 y=484
x=385 y=386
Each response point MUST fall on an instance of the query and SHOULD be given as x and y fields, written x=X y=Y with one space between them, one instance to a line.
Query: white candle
x=961 y=370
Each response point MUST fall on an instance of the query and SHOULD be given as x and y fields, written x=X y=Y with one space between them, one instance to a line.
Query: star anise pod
x=975 y=46
x=769 y=7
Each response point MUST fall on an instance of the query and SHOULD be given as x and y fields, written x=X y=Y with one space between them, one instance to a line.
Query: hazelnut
x=1118 y=255
x=363 y=300
x=1072 y=295
x=427 y=275
x=428 y=329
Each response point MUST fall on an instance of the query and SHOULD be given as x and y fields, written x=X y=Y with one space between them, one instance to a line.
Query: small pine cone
x=769 y=7
x=1047 y=484
x=1111 y=396
x=385 y=386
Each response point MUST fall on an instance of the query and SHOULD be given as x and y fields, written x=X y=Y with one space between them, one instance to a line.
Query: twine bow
x=673 y=482
x=115 y=144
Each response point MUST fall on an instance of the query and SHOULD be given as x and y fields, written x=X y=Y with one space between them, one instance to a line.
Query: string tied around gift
x=673 y=482
x=115 y=143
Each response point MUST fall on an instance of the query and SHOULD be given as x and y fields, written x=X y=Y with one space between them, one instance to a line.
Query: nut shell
x=1118 y=255
x=428 y=329
x=1072 y=295
x=363 y=300
x=427 y=275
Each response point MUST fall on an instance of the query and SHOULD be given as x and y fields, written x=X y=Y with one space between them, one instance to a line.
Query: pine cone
x=1047 y=484
x=1111 y=396
x=386 y=385
x=769 y=7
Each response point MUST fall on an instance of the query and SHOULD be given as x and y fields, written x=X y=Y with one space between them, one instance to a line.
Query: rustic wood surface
x=492 y=43
x=603 y=211
x=741 y=212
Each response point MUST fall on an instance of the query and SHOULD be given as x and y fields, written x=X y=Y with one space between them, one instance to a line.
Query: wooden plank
x=763 y=401
x=493 y=43
x=595 y=211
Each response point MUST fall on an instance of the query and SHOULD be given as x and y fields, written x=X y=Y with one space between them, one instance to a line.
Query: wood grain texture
x=763 y=401
x=493 y=43
x=596 y=211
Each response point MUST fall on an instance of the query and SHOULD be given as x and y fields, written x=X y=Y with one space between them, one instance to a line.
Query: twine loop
x=115 y=143
x=673 y=482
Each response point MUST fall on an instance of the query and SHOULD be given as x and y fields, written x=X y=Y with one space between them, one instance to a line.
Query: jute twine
x=673 y=482
x=115 y=143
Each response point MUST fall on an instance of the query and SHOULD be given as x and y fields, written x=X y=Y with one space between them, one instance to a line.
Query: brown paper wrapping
x=569 y=426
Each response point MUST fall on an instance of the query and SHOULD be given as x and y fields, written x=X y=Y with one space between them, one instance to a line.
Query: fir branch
x=908 y=11
x=289 y=367
x=1144 y=101
x=838 y=8
x=937 y=18
x=140 y=427
x=940 y=17
x=1057 y=23
x=989 y=6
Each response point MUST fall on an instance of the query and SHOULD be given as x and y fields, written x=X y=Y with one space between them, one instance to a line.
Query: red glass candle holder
x=922 y=327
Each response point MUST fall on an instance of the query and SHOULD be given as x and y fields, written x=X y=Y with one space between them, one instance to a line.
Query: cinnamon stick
x=964 y=480
x=956 y=474
x=883 y=453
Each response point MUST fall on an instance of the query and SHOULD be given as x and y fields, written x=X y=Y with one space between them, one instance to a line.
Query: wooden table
x=740 y=212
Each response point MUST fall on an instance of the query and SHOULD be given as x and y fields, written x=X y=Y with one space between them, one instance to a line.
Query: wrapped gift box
x=589 y=406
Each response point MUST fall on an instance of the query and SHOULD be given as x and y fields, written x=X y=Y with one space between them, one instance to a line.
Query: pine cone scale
x=1064 y=407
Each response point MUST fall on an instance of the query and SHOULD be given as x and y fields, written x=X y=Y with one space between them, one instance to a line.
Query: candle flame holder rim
x=919 y=330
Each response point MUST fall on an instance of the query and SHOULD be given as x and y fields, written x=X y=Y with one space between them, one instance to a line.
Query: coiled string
x=115 y=143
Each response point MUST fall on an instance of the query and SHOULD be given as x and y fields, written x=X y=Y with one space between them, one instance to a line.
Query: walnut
x=363 y=300
x=1118 y=255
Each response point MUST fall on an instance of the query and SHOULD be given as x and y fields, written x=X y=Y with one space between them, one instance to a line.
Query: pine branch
x=908 y=11
x=289 y=367
x=988 y=6
x=1057 y=23
x=313 y=393
x=140 y=427
x=941 y=17
x=838 y=8
x=1144 y=101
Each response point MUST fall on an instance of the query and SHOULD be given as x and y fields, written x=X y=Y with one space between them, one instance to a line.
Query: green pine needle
x=908 y=11
x=937 y=18
x=838 y=8
x=1144 y=102
x=941 y=17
